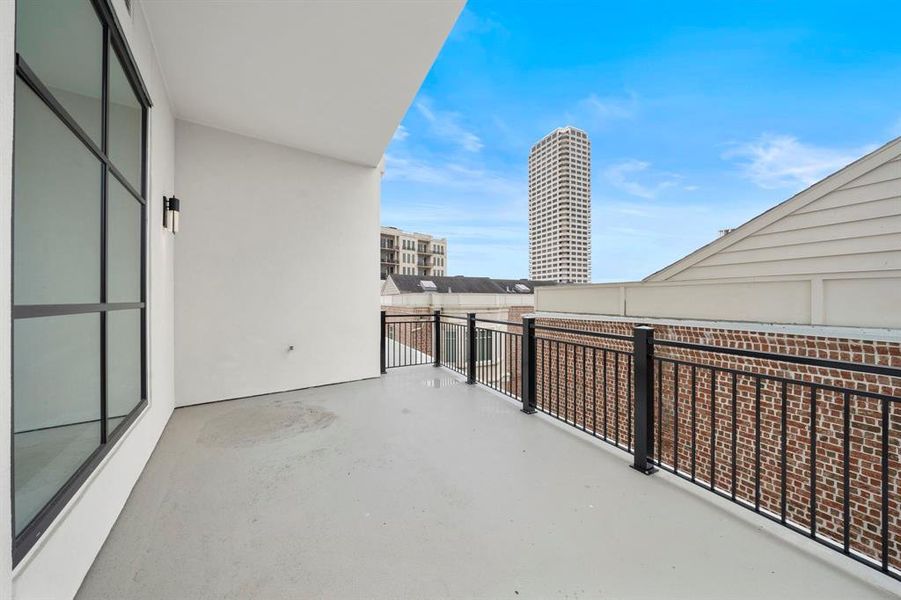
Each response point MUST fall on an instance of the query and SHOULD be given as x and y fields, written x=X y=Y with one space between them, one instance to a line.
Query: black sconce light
x=170 y=213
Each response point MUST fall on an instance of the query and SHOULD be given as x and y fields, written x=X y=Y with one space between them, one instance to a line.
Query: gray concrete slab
x=415 y=485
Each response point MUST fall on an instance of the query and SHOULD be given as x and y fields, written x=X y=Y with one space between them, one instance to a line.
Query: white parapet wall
x=458 y=302
x=841 y=300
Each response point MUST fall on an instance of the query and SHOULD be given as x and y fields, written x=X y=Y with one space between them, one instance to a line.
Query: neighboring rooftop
x=392 y=230
x=414 y=284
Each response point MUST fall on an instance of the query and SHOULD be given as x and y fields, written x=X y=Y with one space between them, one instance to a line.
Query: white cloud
x=452 y=175
x=400 y=134
x=446 y=125
x=780 y=161
x=636 y=177
x=604 y=109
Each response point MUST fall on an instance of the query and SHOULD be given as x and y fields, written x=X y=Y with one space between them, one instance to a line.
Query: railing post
x=471 y=342
x=382 y=365
x=643 y=355
x=527 y=368
x=436 y=342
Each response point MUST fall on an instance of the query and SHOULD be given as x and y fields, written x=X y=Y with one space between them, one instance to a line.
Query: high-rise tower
x=560 y=207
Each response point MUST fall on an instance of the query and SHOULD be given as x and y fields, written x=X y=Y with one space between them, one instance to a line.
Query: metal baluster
x=566 y=348
x=658 y=452
x=676 y=427
x=712 y=429
x=784 y=443
x=594 y=391
x=694 y=414
x=734 y=432
x=616 y=394
x=584 y=391
x=384 y=342
x=846 y=473
x=606 y=429
x=630 y=425
x=757 y=445
x=813 y=461
x=885 y=464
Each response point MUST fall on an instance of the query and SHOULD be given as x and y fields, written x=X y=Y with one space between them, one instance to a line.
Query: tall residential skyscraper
x=560 y=207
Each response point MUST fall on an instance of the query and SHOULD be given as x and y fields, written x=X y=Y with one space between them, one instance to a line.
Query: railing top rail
x=401 y=316
x=597 y=334
x=829 y=387
x=496 y=322
x=787 y=358
x=460 y=317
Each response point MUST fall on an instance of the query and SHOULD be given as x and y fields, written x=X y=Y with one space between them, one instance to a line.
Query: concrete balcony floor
x=416 y=485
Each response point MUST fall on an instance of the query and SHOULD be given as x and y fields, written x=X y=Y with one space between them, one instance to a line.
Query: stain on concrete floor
x=251 y=425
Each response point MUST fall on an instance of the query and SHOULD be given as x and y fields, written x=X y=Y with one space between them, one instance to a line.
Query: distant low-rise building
x=497 y=301
x=409 y=253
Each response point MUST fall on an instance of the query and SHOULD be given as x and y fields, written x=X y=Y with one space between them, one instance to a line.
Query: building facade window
x=79 y=252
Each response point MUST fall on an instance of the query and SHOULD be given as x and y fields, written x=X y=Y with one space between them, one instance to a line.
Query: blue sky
x=701 y=115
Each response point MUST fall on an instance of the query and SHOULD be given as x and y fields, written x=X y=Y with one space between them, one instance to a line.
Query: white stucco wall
x=58 y=562
x=276 y=249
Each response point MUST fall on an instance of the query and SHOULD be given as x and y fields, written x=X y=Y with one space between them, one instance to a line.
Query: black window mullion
x=145 y=119
x=138 y=196
x=104 y=221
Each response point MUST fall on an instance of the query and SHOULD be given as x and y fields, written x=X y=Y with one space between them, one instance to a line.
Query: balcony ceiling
x=334 y=78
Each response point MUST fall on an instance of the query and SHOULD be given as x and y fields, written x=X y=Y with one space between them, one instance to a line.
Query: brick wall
x=588 y=382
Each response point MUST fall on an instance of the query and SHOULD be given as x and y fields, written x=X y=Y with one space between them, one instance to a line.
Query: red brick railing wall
x=585 y=391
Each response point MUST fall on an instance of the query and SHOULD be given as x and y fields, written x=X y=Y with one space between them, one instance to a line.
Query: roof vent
x=522 y=288
x=428 y=285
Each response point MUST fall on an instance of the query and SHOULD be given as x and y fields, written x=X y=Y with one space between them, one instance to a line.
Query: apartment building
x=406 y=253
x=560 y=207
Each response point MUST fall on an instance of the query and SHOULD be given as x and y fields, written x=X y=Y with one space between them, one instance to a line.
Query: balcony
x=418 y=485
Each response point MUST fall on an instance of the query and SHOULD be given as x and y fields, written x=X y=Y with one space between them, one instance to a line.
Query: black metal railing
x=789 y=440
x=406 y=340
x=583 y=378
x=809 y=443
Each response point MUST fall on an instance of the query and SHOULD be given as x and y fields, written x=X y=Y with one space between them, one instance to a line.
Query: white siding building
x=828 y=256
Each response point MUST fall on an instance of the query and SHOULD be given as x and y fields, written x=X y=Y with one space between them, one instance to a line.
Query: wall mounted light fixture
x=170 y=213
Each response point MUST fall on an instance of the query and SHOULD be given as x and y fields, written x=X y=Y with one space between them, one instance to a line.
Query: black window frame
x=113 y=42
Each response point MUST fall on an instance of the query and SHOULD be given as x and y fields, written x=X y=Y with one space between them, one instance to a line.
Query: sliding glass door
x=79 y=212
